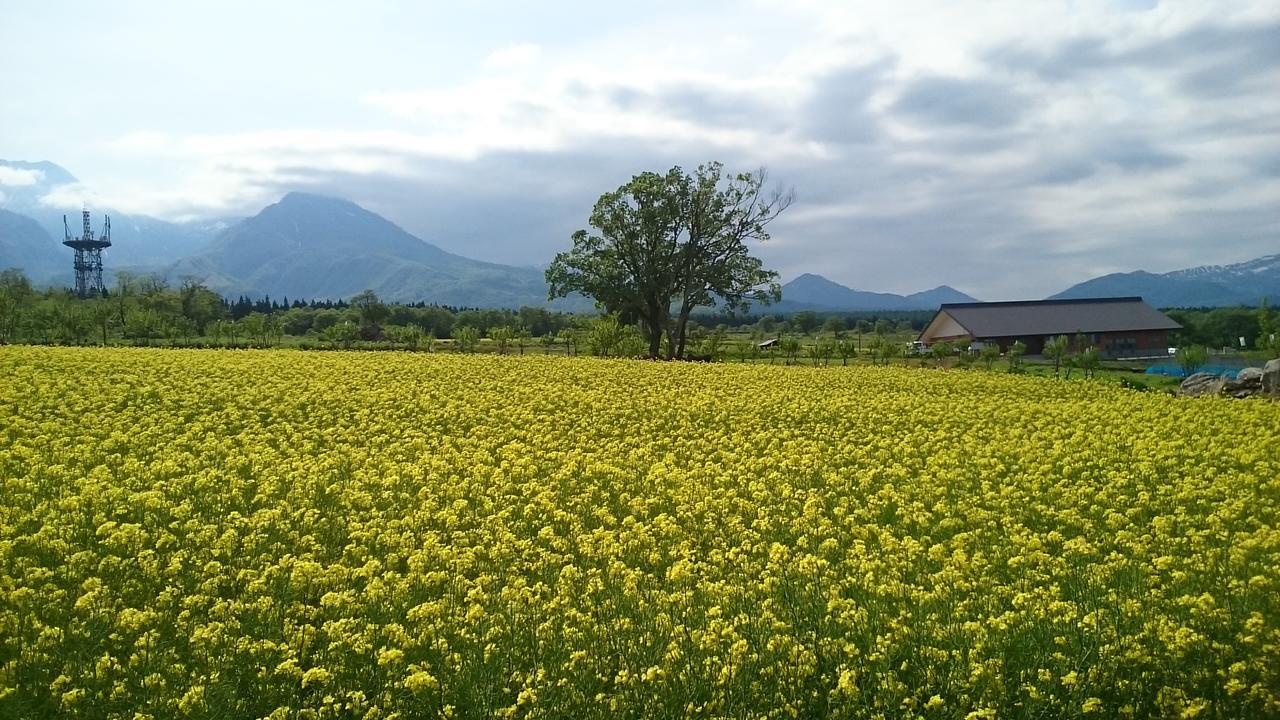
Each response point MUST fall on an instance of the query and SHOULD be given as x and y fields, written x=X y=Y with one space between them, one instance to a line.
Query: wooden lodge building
x=1118 y=326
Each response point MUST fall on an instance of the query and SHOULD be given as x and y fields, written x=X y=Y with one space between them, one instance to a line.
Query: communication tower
x=88 y=262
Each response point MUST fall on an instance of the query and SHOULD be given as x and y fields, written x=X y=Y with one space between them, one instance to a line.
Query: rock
x=1250 y=376
x=1271 y=378
x=1202 y=384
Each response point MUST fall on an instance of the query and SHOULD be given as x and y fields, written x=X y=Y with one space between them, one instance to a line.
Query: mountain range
x=25 y=244
x=314 y=247
x=1243 y=283
x=310 y=246
x=814 y=292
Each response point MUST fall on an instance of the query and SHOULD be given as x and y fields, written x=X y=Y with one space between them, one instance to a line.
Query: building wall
x=1135 y=344
x=1034 y=343
x=1140 y=343
x=943 y=327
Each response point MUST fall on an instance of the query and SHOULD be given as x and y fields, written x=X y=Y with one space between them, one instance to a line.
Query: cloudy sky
x=1009 y=149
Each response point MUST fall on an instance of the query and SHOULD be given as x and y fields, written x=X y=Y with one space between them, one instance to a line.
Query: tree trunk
x=682 y=323
x=654 y=325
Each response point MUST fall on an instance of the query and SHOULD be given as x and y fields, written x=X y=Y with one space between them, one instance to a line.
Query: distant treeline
x=809 y=321
x=1217 y=328
x=302 y=316
x=144 y=309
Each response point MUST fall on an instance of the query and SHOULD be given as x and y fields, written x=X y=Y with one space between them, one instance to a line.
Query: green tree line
x=1223 y=327
x=146 y=310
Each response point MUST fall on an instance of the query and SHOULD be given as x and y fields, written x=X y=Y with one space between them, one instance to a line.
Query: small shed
x=1117 y=326
x=767 y=344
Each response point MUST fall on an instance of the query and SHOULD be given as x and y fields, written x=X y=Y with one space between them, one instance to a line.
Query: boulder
x=1250 y=377
x=1271 y=378
x=1202 y=384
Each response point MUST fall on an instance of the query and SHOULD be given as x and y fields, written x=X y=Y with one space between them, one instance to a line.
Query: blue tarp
x=1172 y=370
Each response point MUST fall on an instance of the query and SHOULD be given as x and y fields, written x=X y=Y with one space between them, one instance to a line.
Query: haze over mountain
x=814 y=292
x=45 y=192
x=315 y=247
x=28 y=182
x=1244 y=283
x=305 y=246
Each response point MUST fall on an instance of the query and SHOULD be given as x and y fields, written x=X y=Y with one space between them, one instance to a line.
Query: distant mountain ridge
x=313 y=246
x=317 y=247
x=1245 y=283
x=305 y=246
x=815 y=292
x=310 y=246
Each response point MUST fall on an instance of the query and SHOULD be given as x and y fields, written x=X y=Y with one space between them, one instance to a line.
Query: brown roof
x=1057 y=317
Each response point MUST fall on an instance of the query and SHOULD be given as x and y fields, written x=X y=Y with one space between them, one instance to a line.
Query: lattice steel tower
x=88 y=262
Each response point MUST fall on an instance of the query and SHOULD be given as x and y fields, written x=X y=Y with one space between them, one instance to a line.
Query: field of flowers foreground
x=293 y=535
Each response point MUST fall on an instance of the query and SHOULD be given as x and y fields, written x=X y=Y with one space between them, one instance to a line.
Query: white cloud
x=1004 y=155
x=143 y=141
x=513 y=56
x=17 y=177
x=69 y=195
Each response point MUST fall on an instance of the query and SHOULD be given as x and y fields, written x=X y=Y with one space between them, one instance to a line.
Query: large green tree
x=200 y=305
x=664 y=245
x=372 y=314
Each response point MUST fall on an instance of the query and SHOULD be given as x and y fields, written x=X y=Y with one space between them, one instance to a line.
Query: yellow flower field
x=220 y=534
